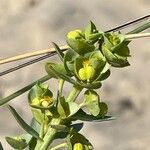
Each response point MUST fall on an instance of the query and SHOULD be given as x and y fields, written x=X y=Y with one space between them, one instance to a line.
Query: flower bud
x=36 y=102
x=76 y=40
x=76 y=34
x=78 y=146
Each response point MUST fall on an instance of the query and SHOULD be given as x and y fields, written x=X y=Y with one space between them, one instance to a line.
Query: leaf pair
x=66 y=109
x=115 y=49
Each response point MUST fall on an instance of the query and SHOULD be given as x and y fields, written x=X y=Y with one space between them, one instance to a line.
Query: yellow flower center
x=46 y=101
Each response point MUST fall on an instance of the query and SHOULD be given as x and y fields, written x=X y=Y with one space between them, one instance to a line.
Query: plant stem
x=139 y=35
x=74 y=93
x=60 y=86
x=49 y=136
x=30 y=54
x=140 y=28
x=59 y=146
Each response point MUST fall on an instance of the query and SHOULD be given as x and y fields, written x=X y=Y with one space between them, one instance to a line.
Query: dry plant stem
x=139 y=35
x=45 y=51
x=30 y=54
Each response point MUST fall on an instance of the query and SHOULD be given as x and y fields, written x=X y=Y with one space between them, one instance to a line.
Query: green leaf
x=69 y=58
x=23 y=124
x=32 y=144
x=114 y=60
x=93 y=85
x=66 y=109
x=75 y=137
x=35 y=125
x=59 y=51
x=23 y=90
x=104 y=73
x=91 y=33
x=77 y=127
x=81 y=115
x=103 y=109
x=19 y=142
x=39 y=116
x=58 y=71
x=91 y=102
x=1 y=147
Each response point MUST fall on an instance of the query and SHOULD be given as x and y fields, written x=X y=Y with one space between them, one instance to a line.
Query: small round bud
x=76 y=34
x=46 y=101
x=45 y=104
x=78 y=146
x=76 y=40
x=36 y=102
x=82 y=74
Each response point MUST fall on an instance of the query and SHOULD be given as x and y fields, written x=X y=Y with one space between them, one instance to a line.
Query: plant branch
x=139 y=35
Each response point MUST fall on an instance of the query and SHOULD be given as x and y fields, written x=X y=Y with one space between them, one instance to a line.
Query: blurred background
x=33 y=24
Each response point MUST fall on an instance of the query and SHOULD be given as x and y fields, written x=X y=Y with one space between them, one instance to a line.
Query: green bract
x=92 y=35
x=40 y=97
x=115 y=49
x=76 y=40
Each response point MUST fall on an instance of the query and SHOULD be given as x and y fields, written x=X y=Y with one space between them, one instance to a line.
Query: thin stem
x=129 y=23
x=140 y=28
x=60 y=86
x=139 y=35
x=59 y=146
x=74 y=93
x=31 y=54
x=26 y=64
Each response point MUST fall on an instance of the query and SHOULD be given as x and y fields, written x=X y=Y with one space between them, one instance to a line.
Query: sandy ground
x=33 y=24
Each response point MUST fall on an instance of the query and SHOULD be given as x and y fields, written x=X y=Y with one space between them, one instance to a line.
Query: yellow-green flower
x=87 y=72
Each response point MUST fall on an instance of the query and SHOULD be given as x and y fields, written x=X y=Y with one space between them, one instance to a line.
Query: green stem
x=140 y=28
x=59 y=146
x=60 y=86
x=74 y=93
x=49 y=136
